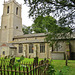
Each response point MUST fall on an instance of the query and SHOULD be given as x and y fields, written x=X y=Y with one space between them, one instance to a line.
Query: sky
x=25 y=19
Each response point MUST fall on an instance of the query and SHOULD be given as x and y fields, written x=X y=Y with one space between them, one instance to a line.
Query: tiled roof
x=30 y=41
x=31 y=35
x=3 y=45
x=6 y=45
x=38 y=35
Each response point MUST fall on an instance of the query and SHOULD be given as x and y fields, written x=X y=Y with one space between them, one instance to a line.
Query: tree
x=64 y=10
x=38 y=26
x=27 y=30
x=48 y=25
x=44 y=24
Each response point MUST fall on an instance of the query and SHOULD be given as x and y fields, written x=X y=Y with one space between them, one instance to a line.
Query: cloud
x=25 y=19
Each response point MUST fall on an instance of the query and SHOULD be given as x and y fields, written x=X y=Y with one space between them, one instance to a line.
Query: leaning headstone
x=12 y=61
x=36 y=61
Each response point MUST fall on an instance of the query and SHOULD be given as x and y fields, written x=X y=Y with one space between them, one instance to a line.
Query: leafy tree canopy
x=63 y=10
x=43 y=24
x=26 y=30
x=48 y=25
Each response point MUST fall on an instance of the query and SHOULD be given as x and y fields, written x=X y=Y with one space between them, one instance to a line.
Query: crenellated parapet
x=7 y=2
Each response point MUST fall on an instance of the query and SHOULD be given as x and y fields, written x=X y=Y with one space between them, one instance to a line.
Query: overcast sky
x=25 y=19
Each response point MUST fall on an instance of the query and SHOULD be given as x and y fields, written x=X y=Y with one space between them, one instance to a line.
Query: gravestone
x=36 y=61
x=12 y=60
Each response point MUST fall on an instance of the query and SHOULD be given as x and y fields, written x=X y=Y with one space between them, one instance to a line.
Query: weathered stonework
x=11 y=23
x=11 y=37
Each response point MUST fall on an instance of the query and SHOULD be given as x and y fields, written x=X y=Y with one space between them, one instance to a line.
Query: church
x=14 y=43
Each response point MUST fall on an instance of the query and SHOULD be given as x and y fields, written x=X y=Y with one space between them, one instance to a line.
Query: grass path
x=59 y=65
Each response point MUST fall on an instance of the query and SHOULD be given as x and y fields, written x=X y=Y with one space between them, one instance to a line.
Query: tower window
x=17 y=11
x=5 y=27
x=8 y=9
x=17 y=27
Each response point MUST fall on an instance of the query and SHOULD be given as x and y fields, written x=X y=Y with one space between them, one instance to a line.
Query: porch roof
x=7 y=45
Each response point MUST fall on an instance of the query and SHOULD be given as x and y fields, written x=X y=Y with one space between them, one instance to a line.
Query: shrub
x=50 y=70
x=21 y=58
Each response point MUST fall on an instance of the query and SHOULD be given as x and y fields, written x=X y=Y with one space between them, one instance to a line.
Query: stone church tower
x=11 y=23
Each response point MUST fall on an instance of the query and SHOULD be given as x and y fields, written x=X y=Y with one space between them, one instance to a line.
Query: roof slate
x=30 y=35
x=6 y=45
x=30 y=41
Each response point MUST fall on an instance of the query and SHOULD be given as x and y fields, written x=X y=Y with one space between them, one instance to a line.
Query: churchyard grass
x=59 y=66
x=28 y=59
x=21 y=67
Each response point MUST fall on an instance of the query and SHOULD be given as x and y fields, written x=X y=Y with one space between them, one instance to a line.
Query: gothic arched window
x=30 y=48
x=20 y=48
x=17 y=11
x=42 y=47
x=8 y=9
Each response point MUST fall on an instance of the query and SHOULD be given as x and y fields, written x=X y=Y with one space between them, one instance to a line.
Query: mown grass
x=27 y=60
x=59 y=66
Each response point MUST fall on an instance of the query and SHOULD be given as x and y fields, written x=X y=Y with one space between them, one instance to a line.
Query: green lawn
x=59 y=65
